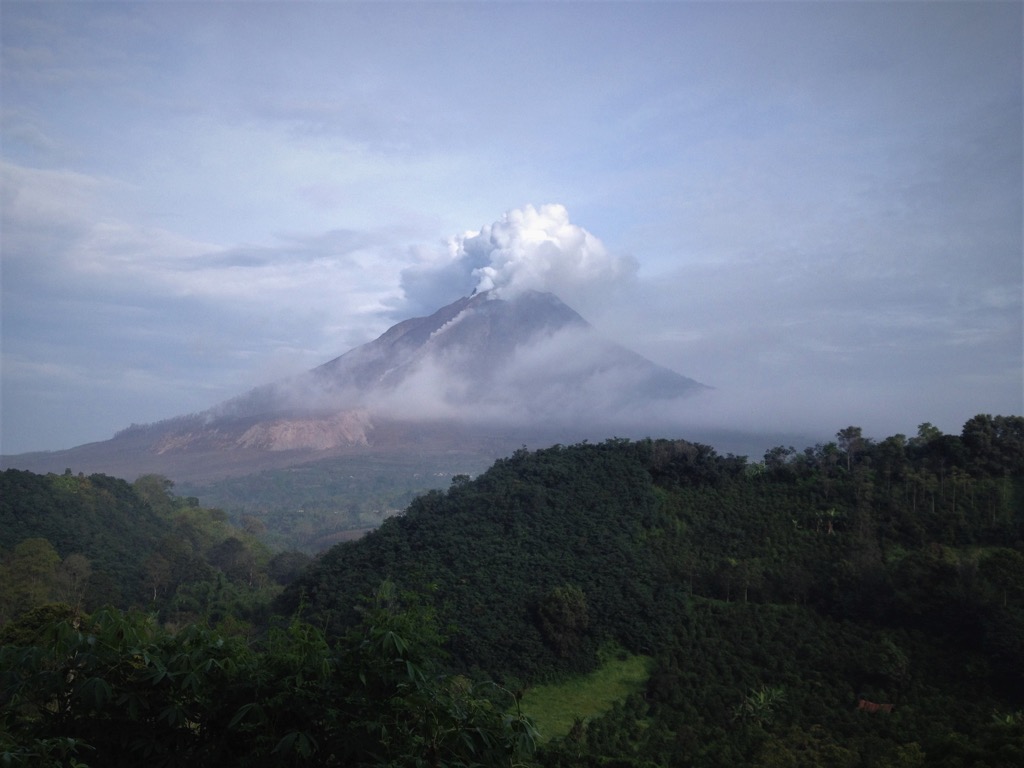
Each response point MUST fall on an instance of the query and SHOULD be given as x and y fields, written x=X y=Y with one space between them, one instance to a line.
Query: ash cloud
x=528 y=248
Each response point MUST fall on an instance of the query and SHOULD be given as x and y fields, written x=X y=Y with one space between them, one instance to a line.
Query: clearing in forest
x=554 y=708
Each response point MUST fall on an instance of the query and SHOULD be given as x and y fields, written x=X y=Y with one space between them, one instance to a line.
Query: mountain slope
x=529 y=358
x=482 y=375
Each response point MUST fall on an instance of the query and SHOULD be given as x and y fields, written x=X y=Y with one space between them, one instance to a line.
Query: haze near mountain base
x=525 y=360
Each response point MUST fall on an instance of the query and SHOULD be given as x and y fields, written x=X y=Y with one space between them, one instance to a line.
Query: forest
x=854 y=603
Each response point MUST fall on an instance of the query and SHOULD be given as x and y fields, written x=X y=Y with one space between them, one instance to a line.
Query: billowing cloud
x=540 y=249
x=528 y=248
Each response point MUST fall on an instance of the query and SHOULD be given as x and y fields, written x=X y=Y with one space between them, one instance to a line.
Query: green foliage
x=769 y=600
x=29 y=628
x=564 y=619
x=118 y=690
x=770 y=596
x=95 y=541
x=30 y=576
x=759 y=706
x=501 y=552
x=78 y=514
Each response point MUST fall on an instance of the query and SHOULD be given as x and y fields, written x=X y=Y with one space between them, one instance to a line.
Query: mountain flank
x=479 y=377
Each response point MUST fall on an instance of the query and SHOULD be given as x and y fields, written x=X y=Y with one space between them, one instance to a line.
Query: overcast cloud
x=814 y=208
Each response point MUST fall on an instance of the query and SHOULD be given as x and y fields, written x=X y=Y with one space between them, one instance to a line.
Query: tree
x=777 y=460
x=759 y=707
x=253 y=525
x=285 y=567
x=925 y=434
x=235 y=559
x=73 y=579
x=31 y=574
x=995 y=444
x=564 y=618
x=751 y=574
x=156 y=573
x=891 y=455
x=1003 y=571
x=851 y=442
x=156 y=491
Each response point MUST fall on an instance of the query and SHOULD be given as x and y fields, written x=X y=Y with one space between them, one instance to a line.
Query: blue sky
x=815 y=208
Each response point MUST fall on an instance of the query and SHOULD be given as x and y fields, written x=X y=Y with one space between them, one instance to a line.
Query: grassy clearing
x=554 y=708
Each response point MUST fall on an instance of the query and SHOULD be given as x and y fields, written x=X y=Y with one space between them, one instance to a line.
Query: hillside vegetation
x=95 y=541
x=858 y=603
x=772 y=596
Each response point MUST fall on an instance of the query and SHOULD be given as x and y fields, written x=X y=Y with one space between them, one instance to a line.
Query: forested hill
x=99 y=525
x=526 y=557
x=91 y=541
x=548 y=553
x=784 y=589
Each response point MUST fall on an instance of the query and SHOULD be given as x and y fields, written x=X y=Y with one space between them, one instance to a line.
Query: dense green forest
x=856 y=603
x=98 y=540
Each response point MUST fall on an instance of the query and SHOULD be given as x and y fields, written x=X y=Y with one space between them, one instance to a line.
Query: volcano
x=481 y=358
x=488 y=367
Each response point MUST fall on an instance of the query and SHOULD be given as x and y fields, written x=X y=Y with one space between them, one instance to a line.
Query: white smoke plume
x=528 y=248
x=539 y=249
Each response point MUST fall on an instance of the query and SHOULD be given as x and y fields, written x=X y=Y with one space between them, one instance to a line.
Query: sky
x=814 y=208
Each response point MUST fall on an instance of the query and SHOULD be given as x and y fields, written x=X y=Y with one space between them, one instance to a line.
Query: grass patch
x=554 y=708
